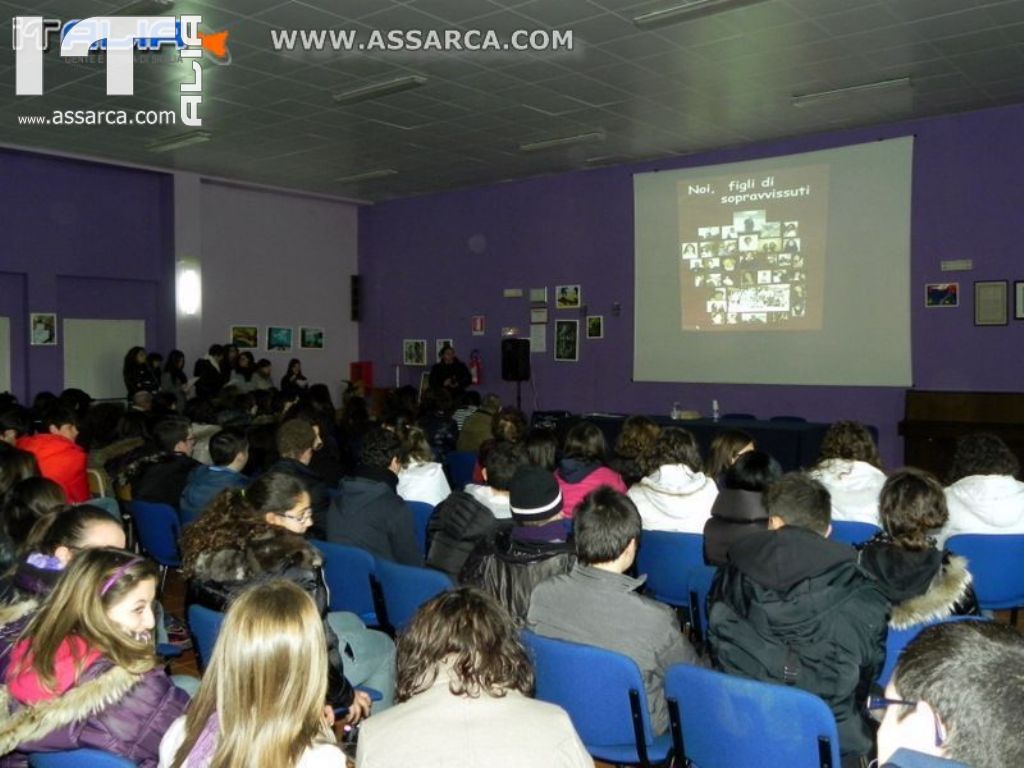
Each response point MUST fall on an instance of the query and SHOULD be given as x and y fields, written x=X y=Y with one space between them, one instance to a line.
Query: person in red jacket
x=59 y=457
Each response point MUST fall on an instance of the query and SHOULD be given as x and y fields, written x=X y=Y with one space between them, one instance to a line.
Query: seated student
x=254 y=535
x=726 y=446
x=582 y=469
x=514 y=559
x=509 y=426
x=84 y=674
x=675 y=495
x=29 y=500
x=15 y=466
x=162 y=476
x=464 y=686
x=476 y=429
x=922 y=582
x=435 y=419
x=739 y=506
x=297 y=440
x=792 y=606
x=49 y=548
x=15 y=423
x=502 y=463
x=956 y=693
x=597 y=603
x=230 y=453
x=634 y=441
x=261 y=701
x=58 y=456
x=420 y=478
x=542 y=448
x=849 y=468
x=984 y=494
x=469 y=403
x=368 y=512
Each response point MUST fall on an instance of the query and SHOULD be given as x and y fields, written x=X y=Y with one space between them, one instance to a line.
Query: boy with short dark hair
x=59 y=457
x=229 y=450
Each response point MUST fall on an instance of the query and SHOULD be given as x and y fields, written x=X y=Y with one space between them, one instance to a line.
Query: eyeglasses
x=882 y=703
x=307 y=515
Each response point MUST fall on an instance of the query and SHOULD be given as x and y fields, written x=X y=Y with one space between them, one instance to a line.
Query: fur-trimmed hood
x=948 y=594
x=271 y=549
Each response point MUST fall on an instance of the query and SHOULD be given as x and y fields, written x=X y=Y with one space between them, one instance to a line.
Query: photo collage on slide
x=749 y=270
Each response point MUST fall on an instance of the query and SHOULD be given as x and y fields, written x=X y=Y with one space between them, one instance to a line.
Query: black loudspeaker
x=355 y=296
x=515 y=359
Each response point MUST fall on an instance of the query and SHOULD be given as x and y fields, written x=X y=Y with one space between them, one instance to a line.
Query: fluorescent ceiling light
x=564 y=141
x=377 y=90
x=687 y=10
x=181 y=140
x=811 y=99
x=189 y=291
x=368 y=175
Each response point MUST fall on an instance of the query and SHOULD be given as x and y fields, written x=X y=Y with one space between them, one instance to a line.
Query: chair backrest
x=666 y=558
x=405 y=588
x=898 y=639
x=79 y=758
x=852 y=532
x=348 y=572
x=699 y=580
x=460 y=468
x=96 y=485
x=158 y=530
x=725 y=721
x=205 y=625
x=994 y=561
x=421 y=512
x=594 y=686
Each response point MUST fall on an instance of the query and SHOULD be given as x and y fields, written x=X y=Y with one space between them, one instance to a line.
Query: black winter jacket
x=509 y=568
x=458 y=524
x=369 y=514
x=795 y=608
x=735 y=514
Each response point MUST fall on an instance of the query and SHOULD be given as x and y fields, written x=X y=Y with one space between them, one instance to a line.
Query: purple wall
x=84 y=240
x=425 y=275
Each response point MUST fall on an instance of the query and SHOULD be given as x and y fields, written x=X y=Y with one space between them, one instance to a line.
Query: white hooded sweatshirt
x=984 y=504
x=854 y=487
x=674 y=498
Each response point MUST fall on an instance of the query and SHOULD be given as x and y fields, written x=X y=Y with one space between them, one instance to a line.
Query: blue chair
x=725 y=721
x=699 y=583
x=205 y=625
x=898 y=639
x=405 y=588
x=460 y=468
x=851 y=532
x=158 y=529
x=349 y=572
x=421 y=512
x=79 y=758
x=995 y=563
x=667 y=559
x=604 y=695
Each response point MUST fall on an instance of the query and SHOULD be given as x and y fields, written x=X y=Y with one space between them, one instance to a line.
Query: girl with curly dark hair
x=984 y=494
x=464 y=682
x=849 y=467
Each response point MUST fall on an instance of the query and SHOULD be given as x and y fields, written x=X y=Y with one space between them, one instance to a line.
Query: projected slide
x=752 y=250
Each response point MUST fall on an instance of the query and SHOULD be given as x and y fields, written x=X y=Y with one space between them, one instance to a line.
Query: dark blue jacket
x=204 y=484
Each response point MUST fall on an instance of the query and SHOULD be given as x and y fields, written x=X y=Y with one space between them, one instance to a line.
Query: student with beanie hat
x=538 y=544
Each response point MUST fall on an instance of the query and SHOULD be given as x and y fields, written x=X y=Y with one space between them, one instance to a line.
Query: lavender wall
x=430 y=263
x=86 y=239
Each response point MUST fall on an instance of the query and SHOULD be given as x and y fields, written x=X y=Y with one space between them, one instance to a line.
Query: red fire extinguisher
x=476 y=367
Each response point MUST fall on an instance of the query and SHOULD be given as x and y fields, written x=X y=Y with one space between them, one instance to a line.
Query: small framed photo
x=245 y=336
x=311 y=338
x=990 y=302
x=539 y=295
x=440 y=344
x=595 y=326
x=567 y=340
x=568 y=296
x=279 y=339
x=478 y=325
x=414 y=351
x=1018 y=300
x=942 y=294
x=539 y=315
x=43 y=327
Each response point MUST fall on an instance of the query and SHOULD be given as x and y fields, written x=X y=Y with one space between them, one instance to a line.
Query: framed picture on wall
x=279 y=339
x=595 y=326
x=990 y=303
x=1018 y=300
x=414 y=351
x=42 y=329
x=567 y=340
x=311 y=338
x=245 y=336
x=568 y=296
x=942 y=294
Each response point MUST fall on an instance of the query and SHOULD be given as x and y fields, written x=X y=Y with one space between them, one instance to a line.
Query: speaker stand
x=519 y=396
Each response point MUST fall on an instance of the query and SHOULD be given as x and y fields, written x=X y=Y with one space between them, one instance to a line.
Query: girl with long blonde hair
x=260 y=704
